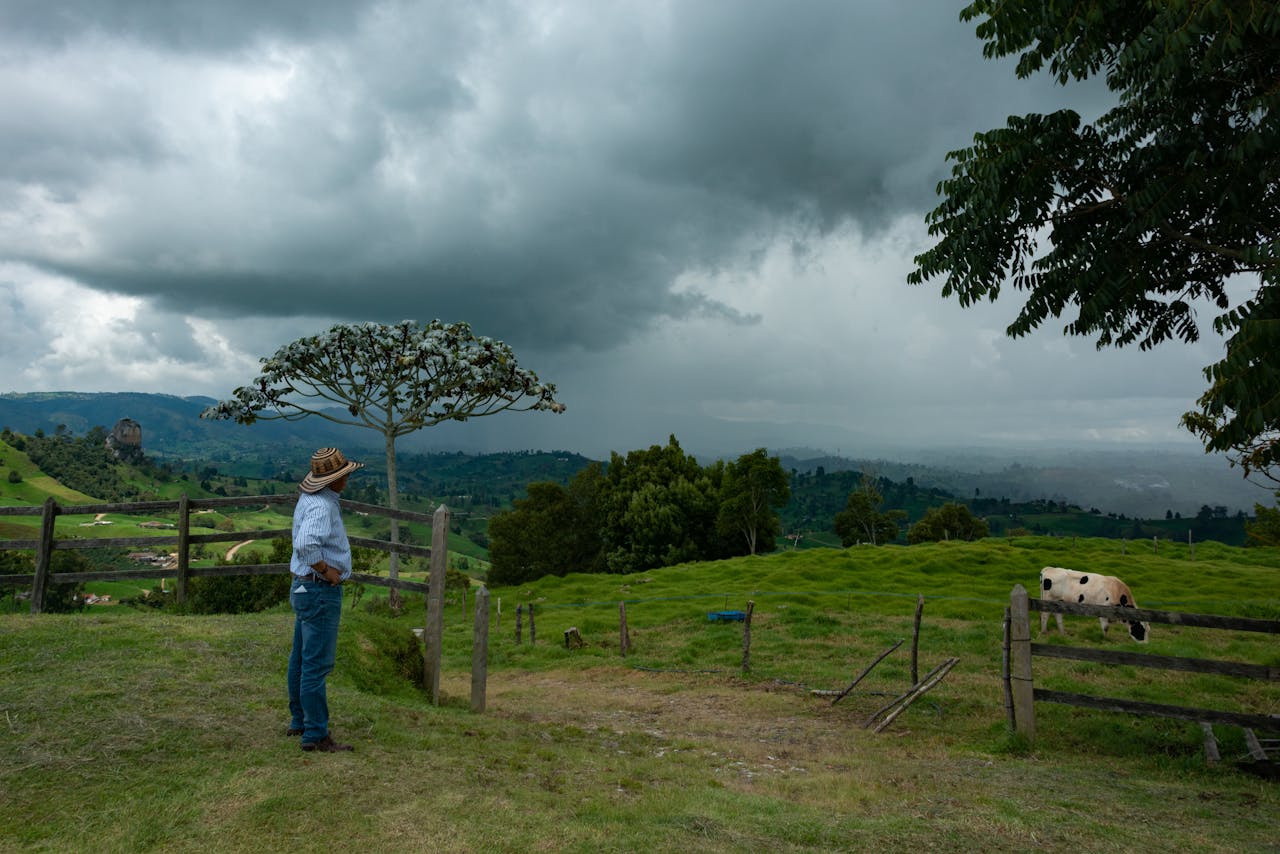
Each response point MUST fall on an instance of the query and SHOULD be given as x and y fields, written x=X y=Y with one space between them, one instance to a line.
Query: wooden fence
x=1021 y=693
x=183 y=540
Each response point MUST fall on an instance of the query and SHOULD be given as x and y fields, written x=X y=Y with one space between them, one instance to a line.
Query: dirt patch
x=756 y=729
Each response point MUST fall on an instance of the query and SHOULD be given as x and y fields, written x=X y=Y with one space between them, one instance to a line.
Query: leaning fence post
x=434 y=634
x=519 y=621
x=44 y=555
x=746 y=637
x=480 y=650
x=184 y=546
x=533 y=631
x=1020 y=648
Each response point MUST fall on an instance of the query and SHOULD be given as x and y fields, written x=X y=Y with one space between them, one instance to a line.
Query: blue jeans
x=315 y=645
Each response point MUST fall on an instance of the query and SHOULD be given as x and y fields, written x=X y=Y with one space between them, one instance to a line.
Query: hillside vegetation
x=140 y=731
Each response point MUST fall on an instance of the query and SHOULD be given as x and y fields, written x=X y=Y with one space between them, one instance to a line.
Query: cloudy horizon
x=694 y=218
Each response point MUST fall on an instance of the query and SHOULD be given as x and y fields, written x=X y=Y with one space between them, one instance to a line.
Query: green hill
x=23 y=483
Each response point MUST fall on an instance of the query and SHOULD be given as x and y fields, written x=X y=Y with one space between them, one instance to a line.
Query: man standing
x=321 y=562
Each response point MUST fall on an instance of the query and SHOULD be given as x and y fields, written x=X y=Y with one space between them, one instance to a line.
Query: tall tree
x=1145 y=211
x=750 y=489
x=862 y=521
x=394 y=379
x=659 y=509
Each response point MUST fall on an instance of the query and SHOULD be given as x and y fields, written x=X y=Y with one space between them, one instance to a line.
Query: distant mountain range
x=171 y=425
x=1137 y=483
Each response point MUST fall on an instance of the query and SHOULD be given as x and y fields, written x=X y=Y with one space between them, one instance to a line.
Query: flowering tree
x=394 y=379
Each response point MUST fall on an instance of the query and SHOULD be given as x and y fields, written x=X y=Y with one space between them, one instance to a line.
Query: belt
x=315 y=576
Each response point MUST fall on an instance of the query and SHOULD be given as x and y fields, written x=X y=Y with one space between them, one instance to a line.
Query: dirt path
x=231 y=552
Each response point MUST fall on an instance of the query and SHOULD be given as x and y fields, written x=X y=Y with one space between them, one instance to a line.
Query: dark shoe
x=292 y=732
x=325 y=745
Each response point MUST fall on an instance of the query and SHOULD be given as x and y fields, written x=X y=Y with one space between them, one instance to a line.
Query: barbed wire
x=1164 y=603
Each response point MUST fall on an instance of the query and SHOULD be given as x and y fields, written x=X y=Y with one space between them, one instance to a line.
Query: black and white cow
x=1088 y=588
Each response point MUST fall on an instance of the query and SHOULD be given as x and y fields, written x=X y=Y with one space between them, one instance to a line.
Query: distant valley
x=1133 y=483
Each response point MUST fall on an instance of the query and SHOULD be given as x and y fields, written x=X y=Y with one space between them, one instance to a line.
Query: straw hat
x=327 y=465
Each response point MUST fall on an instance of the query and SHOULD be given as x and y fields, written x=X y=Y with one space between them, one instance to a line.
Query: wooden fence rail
x=183 y=539
x=1018 y=671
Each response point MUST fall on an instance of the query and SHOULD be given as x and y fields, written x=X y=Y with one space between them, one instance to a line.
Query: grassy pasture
x=35 y=485
x=133 y=731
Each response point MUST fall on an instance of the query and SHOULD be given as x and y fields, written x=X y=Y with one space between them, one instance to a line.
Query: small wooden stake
x=915 y=642
x=746 y=638
x=1004 y=673
x=624 y=639
x=480 y=651
x=1211 y=754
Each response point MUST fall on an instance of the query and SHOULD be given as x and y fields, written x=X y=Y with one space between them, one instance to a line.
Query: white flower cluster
x=399 y=374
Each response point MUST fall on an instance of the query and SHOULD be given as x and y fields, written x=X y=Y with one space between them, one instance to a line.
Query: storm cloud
x=677 y=209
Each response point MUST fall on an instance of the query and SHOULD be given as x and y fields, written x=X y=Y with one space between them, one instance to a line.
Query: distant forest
x=476 y=486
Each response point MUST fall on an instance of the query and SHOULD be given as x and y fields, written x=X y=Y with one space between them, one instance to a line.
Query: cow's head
x=1139 y=631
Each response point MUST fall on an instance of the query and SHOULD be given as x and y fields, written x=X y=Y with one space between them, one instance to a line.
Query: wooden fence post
x=184 y=546
x=434 y=634
x=746 y=638
x=915 y=642
x=519 y=621
x=533 y=631
x=44 y=556
x=624 y=639
x=1004 y=673
x=1020 y=648
x=480 y=650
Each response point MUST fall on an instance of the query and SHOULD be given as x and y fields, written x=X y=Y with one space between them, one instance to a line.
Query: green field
x=139 y=731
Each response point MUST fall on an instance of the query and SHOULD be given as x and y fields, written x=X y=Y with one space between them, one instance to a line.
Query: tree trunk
x=393 y=499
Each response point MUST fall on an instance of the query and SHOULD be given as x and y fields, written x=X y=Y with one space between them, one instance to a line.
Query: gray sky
x=694 y=217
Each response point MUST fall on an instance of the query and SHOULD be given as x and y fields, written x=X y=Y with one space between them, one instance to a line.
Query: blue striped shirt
x=318 y=534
